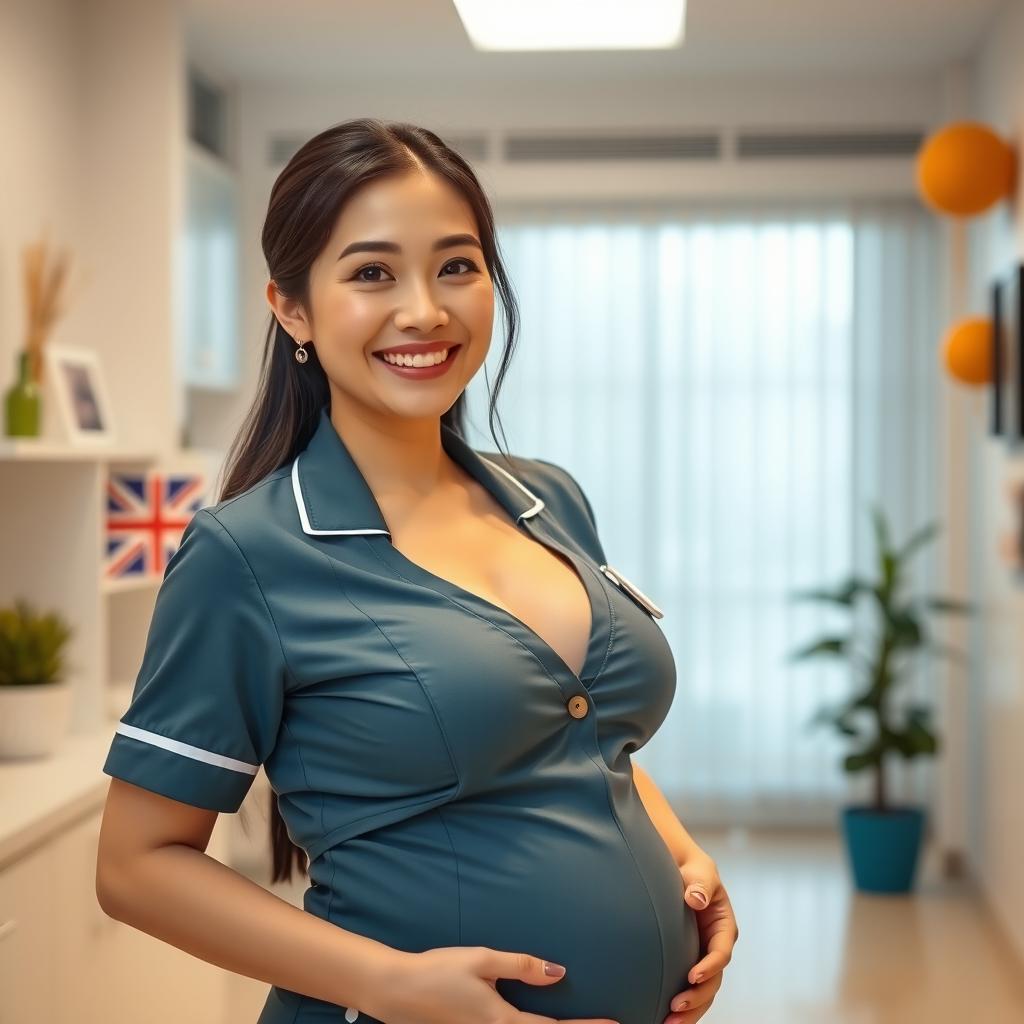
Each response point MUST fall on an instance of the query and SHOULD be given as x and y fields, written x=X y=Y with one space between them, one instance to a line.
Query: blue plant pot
x=883 y=846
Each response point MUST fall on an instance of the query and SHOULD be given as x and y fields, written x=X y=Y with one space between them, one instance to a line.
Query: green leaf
x=949 y=604
x=919 y=713
x=834 y=646
x=858 y=762
x=917 y=739
x=906 y=629
x=922 y=536
x=881 y=529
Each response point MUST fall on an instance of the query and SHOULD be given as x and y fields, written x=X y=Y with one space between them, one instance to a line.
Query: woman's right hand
x=456 y=985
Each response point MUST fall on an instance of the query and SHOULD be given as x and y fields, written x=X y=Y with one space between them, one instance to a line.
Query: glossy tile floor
x=814 y=951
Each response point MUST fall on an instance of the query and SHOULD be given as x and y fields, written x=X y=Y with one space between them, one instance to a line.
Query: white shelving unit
x=52 y=553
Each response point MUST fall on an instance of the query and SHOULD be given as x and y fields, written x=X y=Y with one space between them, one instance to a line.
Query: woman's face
x=373 y=299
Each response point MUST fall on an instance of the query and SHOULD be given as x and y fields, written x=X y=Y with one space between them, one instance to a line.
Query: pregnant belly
x=599 y=894
x=584 y=881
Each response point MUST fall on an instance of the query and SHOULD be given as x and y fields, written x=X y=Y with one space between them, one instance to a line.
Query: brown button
x=578 y=707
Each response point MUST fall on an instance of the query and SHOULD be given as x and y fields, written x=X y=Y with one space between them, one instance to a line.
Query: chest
x=496 y=561
x=406 y=683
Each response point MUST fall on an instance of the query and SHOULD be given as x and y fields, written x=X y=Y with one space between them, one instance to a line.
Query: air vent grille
x=707 y=145
x=472 y=147
x=761 y=144
x=689 y=146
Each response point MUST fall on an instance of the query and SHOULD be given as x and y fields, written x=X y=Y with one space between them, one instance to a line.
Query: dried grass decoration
x=45 y=279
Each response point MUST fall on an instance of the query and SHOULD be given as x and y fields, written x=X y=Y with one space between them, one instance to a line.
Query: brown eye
x=462 y=259
x=369 y=266
x=377 y=266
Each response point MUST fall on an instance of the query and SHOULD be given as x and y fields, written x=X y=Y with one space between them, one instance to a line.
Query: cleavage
x=497 y=562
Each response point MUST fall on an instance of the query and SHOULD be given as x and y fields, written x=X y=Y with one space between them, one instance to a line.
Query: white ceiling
x=391 y=41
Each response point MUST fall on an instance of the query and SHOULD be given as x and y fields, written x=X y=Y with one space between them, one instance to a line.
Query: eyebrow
x=448 y=242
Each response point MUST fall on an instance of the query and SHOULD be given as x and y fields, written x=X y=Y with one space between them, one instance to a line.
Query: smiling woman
x=421 y=643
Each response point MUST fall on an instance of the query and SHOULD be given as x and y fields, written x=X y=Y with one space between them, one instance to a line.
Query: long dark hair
x=304 y=205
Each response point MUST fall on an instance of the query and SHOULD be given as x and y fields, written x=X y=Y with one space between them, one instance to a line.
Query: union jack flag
x=146 y=515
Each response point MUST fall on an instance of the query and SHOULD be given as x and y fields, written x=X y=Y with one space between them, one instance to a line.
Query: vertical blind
x=732 y=385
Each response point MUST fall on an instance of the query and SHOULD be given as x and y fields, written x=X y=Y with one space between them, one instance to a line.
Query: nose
x=421 y=312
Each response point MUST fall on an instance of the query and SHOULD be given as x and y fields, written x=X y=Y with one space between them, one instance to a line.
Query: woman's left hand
x=718 y=930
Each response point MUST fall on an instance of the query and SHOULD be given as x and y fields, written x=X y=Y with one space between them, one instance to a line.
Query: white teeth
x=431 y=359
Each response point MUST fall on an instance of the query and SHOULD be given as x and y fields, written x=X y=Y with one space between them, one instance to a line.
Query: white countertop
x=42 y=795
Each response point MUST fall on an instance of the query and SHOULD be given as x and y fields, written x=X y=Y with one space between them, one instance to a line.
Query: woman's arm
x=669 y=827
x=153 y=874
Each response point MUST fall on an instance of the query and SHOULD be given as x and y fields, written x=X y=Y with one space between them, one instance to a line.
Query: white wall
x=92 y=103
x=996 y=833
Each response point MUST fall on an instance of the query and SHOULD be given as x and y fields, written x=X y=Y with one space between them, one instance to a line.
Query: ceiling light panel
x=573 y=24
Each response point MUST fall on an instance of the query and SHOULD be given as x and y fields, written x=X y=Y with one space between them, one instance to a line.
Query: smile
x=431 y=364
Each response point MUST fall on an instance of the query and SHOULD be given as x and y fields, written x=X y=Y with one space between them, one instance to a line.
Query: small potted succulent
x=35 y=696
x=882 y=840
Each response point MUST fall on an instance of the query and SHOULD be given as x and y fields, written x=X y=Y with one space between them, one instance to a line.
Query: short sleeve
x=208 y=699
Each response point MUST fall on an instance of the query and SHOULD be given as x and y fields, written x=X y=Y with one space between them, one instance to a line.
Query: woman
x=424 y=647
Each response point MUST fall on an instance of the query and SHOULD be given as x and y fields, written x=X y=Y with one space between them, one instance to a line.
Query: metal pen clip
x=633 y=590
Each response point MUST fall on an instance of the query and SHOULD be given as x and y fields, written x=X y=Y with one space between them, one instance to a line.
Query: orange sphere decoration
x=964 y=168
x=967 y=351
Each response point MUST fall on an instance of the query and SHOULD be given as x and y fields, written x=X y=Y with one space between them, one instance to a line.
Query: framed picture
x=76 y=381
x=1007 y=297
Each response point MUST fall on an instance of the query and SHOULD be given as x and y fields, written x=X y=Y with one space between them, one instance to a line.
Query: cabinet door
x=85 y=956
x=28 y=910
x=109 y=972
x=63 y=959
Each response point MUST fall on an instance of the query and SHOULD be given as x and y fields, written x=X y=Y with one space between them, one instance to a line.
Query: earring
x=301 y=355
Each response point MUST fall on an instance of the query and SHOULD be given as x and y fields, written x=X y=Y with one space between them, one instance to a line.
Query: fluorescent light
x=573 y=24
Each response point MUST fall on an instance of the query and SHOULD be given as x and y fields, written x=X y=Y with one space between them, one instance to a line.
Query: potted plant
x=35 y=697
x=882 y=840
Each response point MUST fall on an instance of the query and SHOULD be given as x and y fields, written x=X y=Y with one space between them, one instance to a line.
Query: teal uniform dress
x=452 y=780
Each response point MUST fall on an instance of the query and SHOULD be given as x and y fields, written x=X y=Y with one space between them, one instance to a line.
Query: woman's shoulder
x=255 y=514
x=563 y=496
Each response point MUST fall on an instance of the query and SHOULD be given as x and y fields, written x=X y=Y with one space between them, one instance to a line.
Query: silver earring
x=301 y=355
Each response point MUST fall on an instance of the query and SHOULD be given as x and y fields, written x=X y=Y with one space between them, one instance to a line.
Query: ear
x=289 y=313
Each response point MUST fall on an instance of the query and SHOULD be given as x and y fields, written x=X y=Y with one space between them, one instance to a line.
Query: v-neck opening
x=336 y=500
x=595 y=596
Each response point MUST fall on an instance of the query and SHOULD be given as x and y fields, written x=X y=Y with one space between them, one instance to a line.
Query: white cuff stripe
x=186 y=749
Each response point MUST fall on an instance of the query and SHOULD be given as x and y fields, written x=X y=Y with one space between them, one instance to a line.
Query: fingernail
x=698 y=977
x=699 y=895
x=681 y=1005
x=555 y=970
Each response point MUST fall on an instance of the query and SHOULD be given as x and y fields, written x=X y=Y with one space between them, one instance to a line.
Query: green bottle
x=22 y=402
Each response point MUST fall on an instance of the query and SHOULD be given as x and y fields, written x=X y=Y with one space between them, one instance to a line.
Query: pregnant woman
x=424 y=646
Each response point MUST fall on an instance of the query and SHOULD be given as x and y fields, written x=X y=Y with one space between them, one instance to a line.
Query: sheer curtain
x=732 y=385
